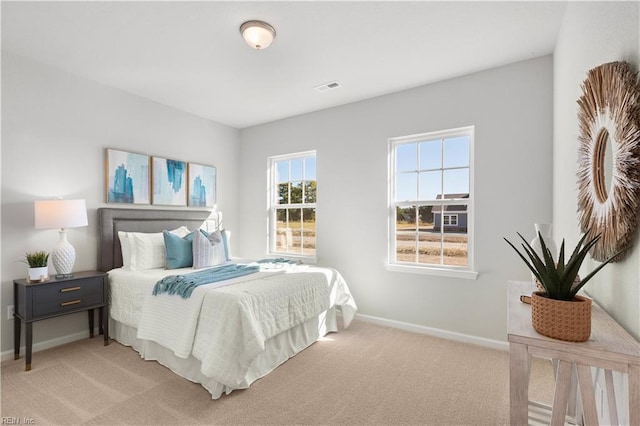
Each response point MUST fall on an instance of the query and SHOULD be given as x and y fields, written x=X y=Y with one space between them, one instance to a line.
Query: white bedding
x=225 y=326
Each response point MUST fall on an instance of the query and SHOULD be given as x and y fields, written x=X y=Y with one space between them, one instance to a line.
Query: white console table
x=610 y=348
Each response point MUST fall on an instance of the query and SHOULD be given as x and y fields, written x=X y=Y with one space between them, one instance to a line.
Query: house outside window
x=292 y=205
x=430 y=203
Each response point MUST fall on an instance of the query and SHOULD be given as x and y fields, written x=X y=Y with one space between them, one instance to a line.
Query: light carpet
x=367 y=374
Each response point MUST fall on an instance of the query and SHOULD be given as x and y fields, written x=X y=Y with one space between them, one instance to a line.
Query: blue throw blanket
x=183 y=285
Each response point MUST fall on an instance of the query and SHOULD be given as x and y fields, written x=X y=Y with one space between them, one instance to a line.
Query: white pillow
x=181 y=232
x=125 y=246
x=145 y=250
x=208 y=250
x=148 y=249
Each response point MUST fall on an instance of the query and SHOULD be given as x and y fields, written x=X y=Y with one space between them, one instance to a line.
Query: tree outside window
x=293 y=205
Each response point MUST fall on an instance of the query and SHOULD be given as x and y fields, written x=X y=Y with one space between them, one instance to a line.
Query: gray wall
x=592 y=34
x=511 y=108
x=55 y=128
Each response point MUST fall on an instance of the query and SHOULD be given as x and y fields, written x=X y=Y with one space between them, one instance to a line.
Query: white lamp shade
x=60 y=214
x=257 y=34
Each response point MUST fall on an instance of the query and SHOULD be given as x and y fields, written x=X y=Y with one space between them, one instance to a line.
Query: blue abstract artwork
x=127 y=177
x=169 y=182
x=202 y=185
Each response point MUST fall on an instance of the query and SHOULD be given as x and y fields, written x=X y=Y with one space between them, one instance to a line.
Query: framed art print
x=169 y=182
x=202 y=185
x=127 y=177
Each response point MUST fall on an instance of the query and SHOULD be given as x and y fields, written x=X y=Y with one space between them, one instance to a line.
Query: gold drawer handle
x=72 y=302
x=64 y=290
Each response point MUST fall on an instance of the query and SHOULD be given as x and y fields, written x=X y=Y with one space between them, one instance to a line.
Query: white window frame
x=454 y=271
x=272 y=206
x=450 y=216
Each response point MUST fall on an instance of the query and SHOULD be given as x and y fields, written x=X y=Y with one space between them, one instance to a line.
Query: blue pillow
x=179 y=250
x=225 y=241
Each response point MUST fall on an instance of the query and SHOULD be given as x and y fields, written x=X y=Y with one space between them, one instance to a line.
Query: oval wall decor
x=609 y=158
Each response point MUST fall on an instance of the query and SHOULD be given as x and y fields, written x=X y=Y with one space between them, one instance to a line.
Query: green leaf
x=586 y=279
x=558 y=278
x=526 y=262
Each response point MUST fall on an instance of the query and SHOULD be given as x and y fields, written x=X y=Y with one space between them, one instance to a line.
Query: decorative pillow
x=146 y=250
x=208 y=249
x=125 y=247
x=178 y=251
x=183 y=231
x=226 y=236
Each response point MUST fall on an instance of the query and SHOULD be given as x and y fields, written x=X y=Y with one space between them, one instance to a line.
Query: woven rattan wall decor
x=609 y=158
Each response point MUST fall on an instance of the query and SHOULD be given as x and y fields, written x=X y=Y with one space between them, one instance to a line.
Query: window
x=292 y=205
x=450 y=220
x=430 y=203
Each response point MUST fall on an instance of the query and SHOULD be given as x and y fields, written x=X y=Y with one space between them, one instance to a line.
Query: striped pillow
x=208 y=249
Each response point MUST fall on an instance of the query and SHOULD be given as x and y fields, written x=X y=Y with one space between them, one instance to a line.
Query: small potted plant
x=559 y=312
x=38 y=269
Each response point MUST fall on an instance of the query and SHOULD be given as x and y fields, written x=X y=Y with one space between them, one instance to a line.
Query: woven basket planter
x=561 y=319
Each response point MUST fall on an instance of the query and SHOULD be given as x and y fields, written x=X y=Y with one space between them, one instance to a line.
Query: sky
x=426 y=169
x=296 y=170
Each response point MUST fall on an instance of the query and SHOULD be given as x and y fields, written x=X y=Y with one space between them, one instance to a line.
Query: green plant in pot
x=559 y=312
x=38 y=269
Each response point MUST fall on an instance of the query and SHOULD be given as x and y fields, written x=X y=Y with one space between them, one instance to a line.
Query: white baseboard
x=436 y=332
x=40 y=346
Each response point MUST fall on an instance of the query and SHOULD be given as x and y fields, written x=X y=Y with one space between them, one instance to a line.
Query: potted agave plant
x=559 y=312
x=38 y=269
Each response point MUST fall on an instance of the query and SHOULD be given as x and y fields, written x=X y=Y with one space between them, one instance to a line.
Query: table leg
x=634 y=394
x=91 y=323
x=100 y=320
x=105 y=324
x=29 y=346
x=518 y=384
x=587 y=394
x=561 y=396
x=573 y=407
x=17 y=322
x=611 y=397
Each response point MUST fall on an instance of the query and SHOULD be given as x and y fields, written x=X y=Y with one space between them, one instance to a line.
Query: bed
x=225 y=335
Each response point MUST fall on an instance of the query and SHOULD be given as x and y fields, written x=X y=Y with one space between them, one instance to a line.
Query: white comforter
x=225 y=325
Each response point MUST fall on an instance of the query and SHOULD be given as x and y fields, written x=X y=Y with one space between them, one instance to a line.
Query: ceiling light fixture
x=257 y=34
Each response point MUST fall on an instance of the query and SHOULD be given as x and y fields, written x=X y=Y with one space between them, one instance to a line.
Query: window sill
x=424 y=270
x=311 y=260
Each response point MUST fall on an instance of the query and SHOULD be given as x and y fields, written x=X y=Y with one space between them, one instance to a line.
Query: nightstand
x=33 y=302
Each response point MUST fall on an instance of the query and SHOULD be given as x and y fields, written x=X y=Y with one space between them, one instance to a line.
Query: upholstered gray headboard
x=138 y=220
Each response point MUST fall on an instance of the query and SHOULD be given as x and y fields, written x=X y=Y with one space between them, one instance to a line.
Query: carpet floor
x=367 y=374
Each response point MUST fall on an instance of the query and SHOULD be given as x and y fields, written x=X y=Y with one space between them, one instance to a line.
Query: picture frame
x=126 y=177
x=202 y=185
x=169 y=182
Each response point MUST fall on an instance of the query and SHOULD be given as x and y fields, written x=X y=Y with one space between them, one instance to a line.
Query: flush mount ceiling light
x=257 y=34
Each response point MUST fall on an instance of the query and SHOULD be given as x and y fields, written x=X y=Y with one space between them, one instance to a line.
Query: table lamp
x=61 y=214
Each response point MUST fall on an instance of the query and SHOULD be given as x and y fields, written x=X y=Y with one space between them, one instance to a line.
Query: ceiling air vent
x=328 y=86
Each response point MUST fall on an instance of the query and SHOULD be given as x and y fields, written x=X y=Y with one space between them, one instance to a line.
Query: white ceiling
x=190 y=55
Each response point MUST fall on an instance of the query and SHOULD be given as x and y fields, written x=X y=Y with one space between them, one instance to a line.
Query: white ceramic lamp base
x=63 y=256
